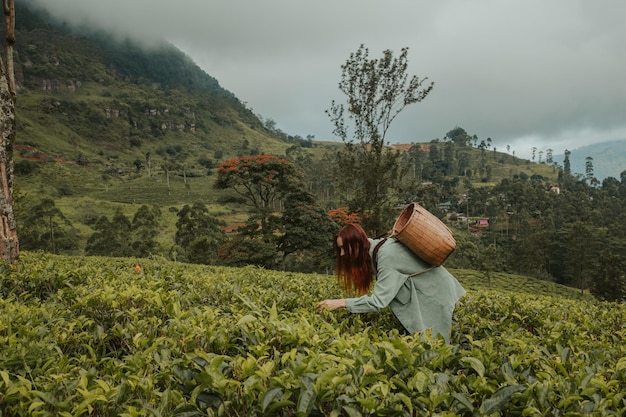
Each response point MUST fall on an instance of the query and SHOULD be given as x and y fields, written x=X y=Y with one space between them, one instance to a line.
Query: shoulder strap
x=375 y=253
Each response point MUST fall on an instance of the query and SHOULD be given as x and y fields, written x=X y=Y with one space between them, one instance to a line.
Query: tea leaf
x=475 y=364
x=501 y=397
x=269 y=396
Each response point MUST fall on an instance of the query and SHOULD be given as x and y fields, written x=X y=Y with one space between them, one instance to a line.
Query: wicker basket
x=423 y=233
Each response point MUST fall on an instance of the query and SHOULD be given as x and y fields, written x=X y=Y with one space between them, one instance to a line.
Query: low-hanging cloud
x=525 y=73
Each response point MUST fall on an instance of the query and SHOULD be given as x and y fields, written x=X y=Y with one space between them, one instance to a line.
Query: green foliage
x=198 y=235
x=145 y=228
x=459 y=136
x=377 y=91
x=307 y=228
x=120 y=237
x=248 y=248
x=94 y=336
x=263 y=181
x=111 y=237
x=42 y=226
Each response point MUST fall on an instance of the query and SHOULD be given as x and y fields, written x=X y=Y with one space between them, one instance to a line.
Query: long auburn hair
x=355 y=271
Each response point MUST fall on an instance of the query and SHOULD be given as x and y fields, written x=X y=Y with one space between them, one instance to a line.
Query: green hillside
x=102 y=106
x=100 y=122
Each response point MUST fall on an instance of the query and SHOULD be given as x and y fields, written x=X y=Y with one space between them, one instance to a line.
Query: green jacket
x=421 y=302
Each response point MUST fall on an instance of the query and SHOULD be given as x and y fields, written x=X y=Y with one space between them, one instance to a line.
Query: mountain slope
x=115 y=108
x=609 y=159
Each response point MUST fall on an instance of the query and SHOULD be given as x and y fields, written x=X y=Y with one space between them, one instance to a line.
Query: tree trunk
x=9 y=244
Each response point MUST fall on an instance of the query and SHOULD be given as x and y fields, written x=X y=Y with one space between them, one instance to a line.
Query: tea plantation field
x=95 y=336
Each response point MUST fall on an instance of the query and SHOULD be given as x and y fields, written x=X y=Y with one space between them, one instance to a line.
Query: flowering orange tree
x=343 y=216
x=261 y=180
x=298 y=225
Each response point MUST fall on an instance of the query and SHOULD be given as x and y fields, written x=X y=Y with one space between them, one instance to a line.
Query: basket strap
x=421 y=272
x=388 y=233
x=375 y=253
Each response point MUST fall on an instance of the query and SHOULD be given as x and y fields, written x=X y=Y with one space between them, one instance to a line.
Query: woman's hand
x=331 y=304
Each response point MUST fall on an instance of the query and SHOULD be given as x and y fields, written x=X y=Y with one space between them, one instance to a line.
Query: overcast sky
x=548 y=74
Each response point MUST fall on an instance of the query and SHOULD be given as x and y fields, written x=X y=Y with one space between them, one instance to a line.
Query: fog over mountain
x=524 y=73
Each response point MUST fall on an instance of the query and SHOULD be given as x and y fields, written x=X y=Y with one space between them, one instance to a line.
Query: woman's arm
x=395 y=263
x=385 y=290
x=331 y=304
x=387 y=285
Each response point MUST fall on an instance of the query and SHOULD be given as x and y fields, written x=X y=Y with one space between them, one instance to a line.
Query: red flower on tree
x=342 y=216
x=258 y=178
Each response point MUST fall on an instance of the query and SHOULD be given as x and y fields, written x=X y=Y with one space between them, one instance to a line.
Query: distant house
x=555 y=189
x=482 y=223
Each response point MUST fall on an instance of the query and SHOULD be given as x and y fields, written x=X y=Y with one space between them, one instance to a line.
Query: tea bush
x=94 y=336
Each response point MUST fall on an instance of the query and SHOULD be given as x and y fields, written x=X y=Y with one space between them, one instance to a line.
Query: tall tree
x=111 y=237
x=419 y=159
x=307 y=228
x=44 y=227
x=198 y=234
x=567 y=167
x=609 y=279
x=459 y=136
x=9 y=243
x=589 y=170
x=377 y=91
x=145 y=229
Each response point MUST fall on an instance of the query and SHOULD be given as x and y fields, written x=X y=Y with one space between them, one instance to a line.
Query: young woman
x=420 y=297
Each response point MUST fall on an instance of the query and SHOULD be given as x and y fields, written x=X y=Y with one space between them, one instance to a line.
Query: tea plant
x=96 y=336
